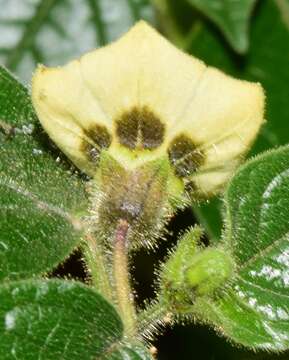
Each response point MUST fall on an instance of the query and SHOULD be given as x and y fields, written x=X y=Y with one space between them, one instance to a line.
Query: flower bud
x=208 y=271
x=191 y=271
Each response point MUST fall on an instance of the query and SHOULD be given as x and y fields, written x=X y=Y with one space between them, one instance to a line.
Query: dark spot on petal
x=140 y=128
x=184 y=156
x=99 y=139
x=127 y=129
x=99 y=135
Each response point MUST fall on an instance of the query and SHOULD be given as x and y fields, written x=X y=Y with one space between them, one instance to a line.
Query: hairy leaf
x=40 y=200
x=57 y=319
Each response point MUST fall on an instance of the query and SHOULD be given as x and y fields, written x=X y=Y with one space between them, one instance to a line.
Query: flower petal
x=142 y=69
x=141 y=93
x=223 y=120
x=68 y=112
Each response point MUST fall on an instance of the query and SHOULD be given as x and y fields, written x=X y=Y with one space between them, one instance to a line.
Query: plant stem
x=112 y=279
x=97 y=266
x=152 y=317
x=123 y=290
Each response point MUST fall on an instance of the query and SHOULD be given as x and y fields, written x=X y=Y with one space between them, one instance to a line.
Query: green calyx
x=192 y=271
x=173 y=269
x=144 y=196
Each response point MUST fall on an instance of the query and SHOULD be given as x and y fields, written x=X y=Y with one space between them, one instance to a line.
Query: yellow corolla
x=141 y=99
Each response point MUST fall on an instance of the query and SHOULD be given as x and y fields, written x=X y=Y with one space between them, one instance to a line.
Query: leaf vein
x=39 y=203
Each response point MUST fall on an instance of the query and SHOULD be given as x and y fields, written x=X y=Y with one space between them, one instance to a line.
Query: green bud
x=192 y=271
x=208 y=270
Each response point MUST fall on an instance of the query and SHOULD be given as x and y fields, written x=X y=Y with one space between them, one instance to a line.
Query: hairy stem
x=152 y=318
x=97 y=265
x=121 y=275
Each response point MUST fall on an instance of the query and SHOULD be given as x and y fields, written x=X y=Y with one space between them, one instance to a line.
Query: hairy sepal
x=139 y=195
x=192 y=271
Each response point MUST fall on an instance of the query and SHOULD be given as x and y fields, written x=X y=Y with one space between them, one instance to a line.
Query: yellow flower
x=141 y=99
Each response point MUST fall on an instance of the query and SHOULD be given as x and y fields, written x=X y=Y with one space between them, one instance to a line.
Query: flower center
x=140 y=128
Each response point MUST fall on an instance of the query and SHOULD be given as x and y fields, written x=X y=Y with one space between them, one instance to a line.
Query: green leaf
x=232 y=17
x=15 y=104
x=255 y=311
x=40 y=200
x=55 y=31
x=58 y=319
